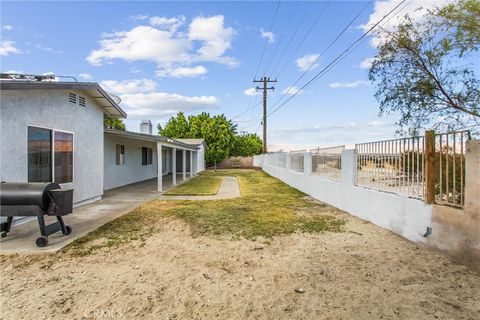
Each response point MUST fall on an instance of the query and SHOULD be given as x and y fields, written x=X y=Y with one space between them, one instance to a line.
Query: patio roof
x=148 y=137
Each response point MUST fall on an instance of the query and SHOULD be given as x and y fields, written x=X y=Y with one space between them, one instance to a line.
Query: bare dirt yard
x=181 y=264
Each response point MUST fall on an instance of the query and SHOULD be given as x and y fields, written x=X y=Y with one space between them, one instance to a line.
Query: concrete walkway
x=229 y=189
x=115 y=202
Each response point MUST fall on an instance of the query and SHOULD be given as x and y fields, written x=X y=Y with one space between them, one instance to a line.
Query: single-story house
x=54 y=131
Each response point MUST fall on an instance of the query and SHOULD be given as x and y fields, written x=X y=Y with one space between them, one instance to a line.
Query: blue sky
x=162 y=57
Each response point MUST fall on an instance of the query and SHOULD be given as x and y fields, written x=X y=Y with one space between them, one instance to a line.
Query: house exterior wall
x=133 y=170
x=51 y=109
x=200 y=162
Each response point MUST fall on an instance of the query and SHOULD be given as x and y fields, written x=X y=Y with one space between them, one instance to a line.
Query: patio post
x=174 y=166
x=159 y=168
x=191 y=163
x=184 y=164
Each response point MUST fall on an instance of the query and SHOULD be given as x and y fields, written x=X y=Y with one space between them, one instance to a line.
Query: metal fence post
x=430 y=166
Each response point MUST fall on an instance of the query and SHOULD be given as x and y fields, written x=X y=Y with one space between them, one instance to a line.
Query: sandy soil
x=363 y=273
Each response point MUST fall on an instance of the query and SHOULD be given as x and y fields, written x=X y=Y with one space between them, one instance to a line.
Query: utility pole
x=265 y=81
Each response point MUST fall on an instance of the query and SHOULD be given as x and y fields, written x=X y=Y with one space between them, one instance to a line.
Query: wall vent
x=72 y=97
x=81 y=101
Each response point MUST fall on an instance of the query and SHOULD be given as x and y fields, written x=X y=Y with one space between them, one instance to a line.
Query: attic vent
x=72 y=97
x=81 y=101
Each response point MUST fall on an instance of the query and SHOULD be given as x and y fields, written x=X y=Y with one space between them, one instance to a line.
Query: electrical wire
x=340 y=57
x=290 y=88
x=266 y=40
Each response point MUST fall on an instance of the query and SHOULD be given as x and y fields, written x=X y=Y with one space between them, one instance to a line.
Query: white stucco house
x=53 y=131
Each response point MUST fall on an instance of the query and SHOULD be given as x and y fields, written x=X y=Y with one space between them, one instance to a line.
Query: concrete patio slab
x=115 y=202
x=229 y=188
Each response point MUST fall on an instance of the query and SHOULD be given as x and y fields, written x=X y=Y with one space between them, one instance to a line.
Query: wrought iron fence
x=450 y=151
x=278 y=159
x=327 y=162
x=297 y=160
x=395 y=165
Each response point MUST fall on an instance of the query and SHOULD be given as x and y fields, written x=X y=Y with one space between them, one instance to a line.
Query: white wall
x=200 y=164
x=51 y=109
x=405 y=216
x=133 y=170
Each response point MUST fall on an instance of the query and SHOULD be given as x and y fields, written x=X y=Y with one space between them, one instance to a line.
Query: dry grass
x=266 y=208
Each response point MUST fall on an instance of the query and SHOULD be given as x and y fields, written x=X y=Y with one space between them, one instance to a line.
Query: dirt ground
x=363 y=273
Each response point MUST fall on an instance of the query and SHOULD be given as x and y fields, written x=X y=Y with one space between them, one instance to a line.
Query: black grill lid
x=26 y=193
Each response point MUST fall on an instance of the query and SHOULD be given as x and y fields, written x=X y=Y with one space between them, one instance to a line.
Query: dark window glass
x=120 y=154
x=39 y=155
x=63 y=157
x=147 y=154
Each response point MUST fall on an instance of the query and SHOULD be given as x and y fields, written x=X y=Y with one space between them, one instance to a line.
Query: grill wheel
x=41 y=241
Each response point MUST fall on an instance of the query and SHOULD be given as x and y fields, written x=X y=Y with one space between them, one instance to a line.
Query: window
x=39 y=155
x=50 y=155
x=147 y=155
x=63 y=157
x=120 y=154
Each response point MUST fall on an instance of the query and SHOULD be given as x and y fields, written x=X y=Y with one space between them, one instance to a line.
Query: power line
x=266 y=40
x=304 y=38
x=322 y=53
x=291 y=38
x=340 y=57
x=281 y=38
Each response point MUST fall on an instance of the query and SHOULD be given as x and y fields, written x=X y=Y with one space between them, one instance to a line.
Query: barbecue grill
x=21 y=199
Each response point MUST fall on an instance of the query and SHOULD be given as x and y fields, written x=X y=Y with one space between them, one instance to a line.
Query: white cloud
x=129 y=86
x=291 y=90
x=251 y=92
x=14 y=71
x=205 y=39
x=85 y=76
x=182 y=72
x=162 y=104
x=270 y=36
x=376 y=123
x=354 y=84
x=303 y=63
x=381 y=8
x=8 y=47
x=171 y=24
x=139 y=17
x=215 y=38
x=7 y=27
x=366 y=63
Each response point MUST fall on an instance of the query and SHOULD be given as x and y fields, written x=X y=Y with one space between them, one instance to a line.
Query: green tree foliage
x=114 y=123
x=177 y=127
x=425 y=71
x=218 y=132
x=246 y=145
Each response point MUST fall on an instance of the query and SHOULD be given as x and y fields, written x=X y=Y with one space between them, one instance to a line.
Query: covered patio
x=132 y=157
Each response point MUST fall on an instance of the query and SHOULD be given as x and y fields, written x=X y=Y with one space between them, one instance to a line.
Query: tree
x=176 y=127
x=218 y=132
x=114 y=123
x=425 y=70
x=246 y=145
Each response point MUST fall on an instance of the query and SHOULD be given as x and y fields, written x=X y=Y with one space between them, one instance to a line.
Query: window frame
x=52 y=152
